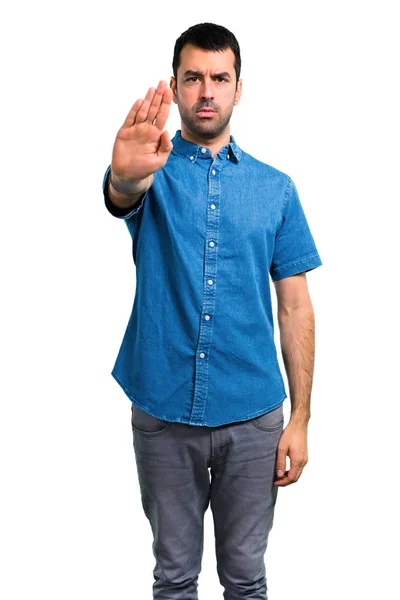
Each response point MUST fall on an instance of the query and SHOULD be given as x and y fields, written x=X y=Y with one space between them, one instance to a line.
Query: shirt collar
x=192 y=151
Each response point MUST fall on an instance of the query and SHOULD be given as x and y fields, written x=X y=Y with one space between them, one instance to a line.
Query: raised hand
x=141 y=146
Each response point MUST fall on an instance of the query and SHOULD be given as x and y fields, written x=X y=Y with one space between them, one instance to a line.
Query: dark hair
x=207 y=36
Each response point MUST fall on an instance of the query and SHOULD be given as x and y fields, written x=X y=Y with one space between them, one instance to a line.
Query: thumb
x=166 y=145
x=281 y=462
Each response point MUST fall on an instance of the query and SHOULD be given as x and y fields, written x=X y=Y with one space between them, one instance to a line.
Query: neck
x=213 y=144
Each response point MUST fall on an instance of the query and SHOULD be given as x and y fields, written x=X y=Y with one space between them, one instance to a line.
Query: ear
x=172 y=85
x=238 y=92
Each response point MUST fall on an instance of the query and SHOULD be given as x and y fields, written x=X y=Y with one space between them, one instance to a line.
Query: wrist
x=300 y=418
x=129 y=187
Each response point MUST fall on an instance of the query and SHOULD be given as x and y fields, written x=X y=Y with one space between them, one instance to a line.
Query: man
x=209 y=223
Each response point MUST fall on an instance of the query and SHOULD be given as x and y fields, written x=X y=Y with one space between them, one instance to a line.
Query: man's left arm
x=297 y=337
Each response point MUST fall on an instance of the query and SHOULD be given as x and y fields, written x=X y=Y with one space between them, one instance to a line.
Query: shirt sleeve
x=116 y=211
x=295 y=251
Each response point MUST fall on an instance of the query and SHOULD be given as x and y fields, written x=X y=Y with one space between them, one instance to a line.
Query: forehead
x=197 y=59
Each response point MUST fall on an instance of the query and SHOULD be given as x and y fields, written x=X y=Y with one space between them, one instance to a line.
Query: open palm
x=141 y=146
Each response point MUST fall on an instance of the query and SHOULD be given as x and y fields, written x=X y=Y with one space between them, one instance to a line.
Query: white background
x=320 y=102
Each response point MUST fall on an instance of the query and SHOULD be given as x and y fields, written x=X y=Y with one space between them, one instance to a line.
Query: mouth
x=206 y=112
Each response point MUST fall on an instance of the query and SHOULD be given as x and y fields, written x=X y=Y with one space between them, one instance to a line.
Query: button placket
x=209 y=291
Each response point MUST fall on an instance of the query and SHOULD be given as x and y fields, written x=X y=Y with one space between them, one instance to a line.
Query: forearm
x=297 y=337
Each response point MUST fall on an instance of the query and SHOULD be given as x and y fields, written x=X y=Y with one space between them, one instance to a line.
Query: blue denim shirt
x=206 y=237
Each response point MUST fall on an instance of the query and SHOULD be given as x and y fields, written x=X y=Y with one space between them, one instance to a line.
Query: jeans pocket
x=271 y=420
x=146 y=423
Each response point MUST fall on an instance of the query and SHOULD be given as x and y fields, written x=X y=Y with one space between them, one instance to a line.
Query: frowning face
x=205 y=91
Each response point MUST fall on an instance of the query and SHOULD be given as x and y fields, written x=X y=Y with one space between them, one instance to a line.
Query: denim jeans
x=181 y=469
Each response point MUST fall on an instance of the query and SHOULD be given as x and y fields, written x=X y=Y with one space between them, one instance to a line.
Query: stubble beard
x=205 y=128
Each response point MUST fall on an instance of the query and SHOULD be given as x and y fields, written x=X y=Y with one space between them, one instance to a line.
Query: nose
x=207 y=89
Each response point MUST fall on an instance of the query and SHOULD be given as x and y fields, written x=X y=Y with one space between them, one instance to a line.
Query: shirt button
x=203 y=150
x=227 y=156
x=207 y=317
x=211 y=244
x=192 y=158
x=202 y=355
x=210 y=282
x=213 y=171
x=212 y=206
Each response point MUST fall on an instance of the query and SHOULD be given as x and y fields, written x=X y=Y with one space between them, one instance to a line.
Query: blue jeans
x=181 y=468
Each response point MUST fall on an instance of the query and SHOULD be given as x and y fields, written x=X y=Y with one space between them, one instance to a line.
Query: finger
x=130 y=119
x=144 y=109
x=281 y=461
x=163 y=111
x=165 y=143
x=283 y=480
x=156 y=102
x=289 y=477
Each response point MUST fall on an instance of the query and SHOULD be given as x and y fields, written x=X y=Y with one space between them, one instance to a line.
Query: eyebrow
x=191 y=73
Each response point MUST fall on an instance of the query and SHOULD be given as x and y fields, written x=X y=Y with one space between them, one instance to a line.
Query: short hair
x=207 y=36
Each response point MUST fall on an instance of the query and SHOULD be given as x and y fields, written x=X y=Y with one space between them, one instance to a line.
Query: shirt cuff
x=117 y=211
x=294 y=268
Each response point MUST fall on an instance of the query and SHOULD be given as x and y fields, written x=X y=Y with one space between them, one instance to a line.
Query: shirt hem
x=165 y=418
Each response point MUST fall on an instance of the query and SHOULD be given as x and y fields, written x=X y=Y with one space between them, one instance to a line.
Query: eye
x=194 y=78
x=220 y=79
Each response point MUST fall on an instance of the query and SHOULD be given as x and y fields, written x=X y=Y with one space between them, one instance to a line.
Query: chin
x=210 y=128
